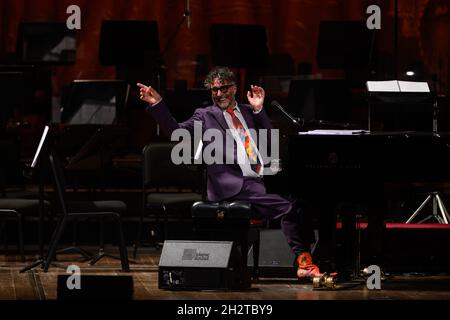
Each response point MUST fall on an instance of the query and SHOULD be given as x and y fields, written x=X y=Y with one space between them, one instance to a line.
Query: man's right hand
x=148 y=94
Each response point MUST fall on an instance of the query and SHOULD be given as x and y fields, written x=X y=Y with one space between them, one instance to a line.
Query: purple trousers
x=294 y=224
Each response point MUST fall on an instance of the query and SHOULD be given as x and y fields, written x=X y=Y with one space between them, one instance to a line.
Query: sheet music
x=383 y=86
x=397 y=86
x=334 y=132
x=41 y=143
x=94 y=112
x=410 y=86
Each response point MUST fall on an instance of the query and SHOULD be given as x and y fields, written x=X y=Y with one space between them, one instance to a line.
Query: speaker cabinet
x=201 y=265
x=95 y=287
x=275 y=256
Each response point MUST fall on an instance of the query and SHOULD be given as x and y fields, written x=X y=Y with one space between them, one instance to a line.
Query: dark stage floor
x=37 y=285
x=36 y=292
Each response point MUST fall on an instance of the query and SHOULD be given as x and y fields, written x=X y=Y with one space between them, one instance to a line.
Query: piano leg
x=351 y=243
x=326 y=225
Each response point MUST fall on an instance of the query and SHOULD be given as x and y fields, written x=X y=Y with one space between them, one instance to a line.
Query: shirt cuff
x=156 y=103
x=256 y=112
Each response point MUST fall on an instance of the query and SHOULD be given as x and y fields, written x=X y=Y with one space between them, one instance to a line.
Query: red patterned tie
x=245 y=138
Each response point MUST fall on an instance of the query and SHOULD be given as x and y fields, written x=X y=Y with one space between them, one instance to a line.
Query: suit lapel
x=218 y=115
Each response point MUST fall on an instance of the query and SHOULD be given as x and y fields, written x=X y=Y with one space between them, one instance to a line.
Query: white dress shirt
x=241 y=153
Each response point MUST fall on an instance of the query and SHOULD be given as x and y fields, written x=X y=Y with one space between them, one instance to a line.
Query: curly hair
x=221 y=73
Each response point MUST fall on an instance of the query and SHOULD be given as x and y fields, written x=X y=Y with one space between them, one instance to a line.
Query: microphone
x=297 y=121
x=187 y=14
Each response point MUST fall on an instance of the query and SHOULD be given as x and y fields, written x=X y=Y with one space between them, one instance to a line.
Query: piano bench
x=229 y=221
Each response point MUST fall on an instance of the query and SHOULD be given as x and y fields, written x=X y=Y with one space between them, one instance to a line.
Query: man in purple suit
x=239 y=180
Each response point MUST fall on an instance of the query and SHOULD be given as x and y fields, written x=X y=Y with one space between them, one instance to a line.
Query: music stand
x=133 y=47
x=15 y=93
x=393 y=93
x=98 y=143
x=37 y=164
x=343 y=44
x=402 y=97
x=239 y=46
x=321 y=103
x=46 y=43
x=94 y=102
x=183 y=102
x=346 y=45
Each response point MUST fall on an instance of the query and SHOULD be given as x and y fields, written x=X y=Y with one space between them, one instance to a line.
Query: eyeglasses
x=223 y=89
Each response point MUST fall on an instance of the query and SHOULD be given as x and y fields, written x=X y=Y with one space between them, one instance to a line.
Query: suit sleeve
x=160 y=112
x=262 y=120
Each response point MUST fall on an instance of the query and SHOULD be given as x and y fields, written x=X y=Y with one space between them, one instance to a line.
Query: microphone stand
x=186 y=15
x=299 y=122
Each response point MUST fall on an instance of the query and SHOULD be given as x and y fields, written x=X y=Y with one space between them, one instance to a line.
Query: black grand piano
x=359 y=171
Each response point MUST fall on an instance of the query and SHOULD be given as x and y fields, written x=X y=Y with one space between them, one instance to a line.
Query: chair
x=158 y=172
x=230 y=221
x=6 y=214
x=18 y=206
x=82 y=210
x=22 y=210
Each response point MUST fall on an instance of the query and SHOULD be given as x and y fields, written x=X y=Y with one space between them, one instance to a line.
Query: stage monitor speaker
x=275 y=256
x=96 y=287
x=200 y=265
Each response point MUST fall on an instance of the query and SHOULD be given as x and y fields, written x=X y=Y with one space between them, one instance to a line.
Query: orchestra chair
x=168 y=190
x=23 y=207
x=8 y=214
x=81 y=210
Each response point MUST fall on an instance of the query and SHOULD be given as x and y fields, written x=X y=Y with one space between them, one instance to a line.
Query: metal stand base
x=40 y=263
x=100 y=254
x=442 y=216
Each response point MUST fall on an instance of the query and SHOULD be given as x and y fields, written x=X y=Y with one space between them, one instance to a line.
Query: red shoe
x=306 y=268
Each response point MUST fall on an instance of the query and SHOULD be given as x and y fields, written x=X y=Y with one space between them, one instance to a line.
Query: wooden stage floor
x=38 y=285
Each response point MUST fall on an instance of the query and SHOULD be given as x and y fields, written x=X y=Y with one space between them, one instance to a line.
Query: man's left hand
x=256 y=98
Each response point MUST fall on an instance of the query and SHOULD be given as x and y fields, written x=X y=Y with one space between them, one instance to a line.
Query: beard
x=224 y=102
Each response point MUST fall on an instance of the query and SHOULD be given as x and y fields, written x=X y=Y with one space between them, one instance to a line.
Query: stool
x=229 y=221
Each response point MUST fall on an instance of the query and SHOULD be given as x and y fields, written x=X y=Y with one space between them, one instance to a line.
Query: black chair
x=15 y=203
x=82 y=210
x=230 y=221
x=7 y=214
x=159 y=172
x=23 y=210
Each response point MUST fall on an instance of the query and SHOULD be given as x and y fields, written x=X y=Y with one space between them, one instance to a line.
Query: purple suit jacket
x=224 y=180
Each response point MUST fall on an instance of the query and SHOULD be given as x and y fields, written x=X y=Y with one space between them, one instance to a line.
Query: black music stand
x=239 y=46
x=46 y=43
x=400 y=100
x=59 y=184
x=346 y=45
x=343 y=44
x=410 y=94
x=37 y=164
x=321 y=103
x=100 y=143
x=133 y=47
x=94 y=102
